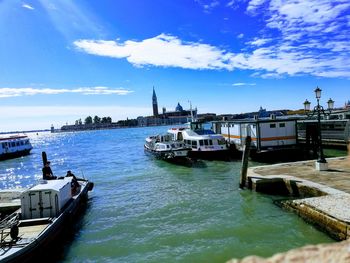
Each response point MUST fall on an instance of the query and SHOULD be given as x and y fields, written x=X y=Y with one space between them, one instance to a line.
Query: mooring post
x=246 y=151
x=44 y=157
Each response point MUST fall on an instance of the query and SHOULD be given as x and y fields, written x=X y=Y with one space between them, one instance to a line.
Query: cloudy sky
x=65 y=60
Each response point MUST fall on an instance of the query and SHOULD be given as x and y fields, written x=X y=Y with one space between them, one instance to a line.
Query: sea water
x=147 y=210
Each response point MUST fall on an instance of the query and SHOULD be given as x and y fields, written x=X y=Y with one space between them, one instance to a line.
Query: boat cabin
x=197 y=137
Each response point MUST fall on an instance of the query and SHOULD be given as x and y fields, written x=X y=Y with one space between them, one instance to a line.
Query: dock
x=10 y=200
x=321 y=198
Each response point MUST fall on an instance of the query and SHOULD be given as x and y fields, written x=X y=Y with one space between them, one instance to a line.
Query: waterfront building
x=267 y=134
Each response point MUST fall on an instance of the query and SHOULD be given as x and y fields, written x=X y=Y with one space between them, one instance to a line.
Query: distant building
x=179 y=116
x=262 y=113
x=347 y=105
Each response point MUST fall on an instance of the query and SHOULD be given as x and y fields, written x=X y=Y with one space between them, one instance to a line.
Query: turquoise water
x=146 y=210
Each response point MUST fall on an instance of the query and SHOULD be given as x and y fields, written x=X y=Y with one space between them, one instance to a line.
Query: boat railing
x=9 y=227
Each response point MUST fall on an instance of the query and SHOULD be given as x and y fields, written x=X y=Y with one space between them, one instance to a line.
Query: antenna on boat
x=82 y=173
x=192 y=118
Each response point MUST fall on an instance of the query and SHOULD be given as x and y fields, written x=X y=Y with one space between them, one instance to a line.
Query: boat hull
x=167 y=155
x=210 y=155
x=12 y=155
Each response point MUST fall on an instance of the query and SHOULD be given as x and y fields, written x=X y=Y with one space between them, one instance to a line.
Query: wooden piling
x=244 y=168
x=44 y=157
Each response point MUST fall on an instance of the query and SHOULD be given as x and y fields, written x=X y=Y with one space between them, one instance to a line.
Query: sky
x=64 y=60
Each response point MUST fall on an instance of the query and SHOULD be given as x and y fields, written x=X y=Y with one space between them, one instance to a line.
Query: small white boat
x=14 y=146
x=46 y=210
x=164 y=148
x=204 y=143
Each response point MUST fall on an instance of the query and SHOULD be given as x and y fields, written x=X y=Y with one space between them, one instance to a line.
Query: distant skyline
x=65 y=60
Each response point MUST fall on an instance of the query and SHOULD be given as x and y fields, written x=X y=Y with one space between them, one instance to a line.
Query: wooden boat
x=162 y=147
x=14 y=146
x=46 y=210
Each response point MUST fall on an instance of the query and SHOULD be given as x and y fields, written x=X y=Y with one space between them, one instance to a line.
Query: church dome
x=178 y=107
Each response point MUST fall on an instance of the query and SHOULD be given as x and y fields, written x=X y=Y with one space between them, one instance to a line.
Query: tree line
x=96 y=120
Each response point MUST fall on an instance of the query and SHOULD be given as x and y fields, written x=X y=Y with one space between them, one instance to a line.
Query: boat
x=204 y=143
x=14 y=146
x=46 y=211
x=163 y=147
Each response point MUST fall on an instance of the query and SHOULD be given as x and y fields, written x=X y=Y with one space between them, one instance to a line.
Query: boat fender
x=14 y=232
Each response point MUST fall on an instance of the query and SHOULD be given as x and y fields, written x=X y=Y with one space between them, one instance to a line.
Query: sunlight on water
x=146 y=210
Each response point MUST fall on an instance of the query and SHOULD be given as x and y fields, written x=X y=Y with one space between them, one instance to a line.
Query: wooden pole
x=44 y=157
x=246 y=151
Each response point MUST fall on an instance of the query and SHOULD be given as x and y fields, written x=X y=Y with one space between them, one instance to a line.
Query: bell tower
x=155 y=104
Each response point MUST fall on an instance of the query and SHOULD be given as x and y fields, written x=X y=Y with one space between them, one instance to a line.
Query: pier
x=321 y=198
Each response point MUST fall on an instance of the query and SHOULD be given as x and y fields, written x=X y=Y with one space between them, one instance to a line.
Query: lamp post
x=321 y=163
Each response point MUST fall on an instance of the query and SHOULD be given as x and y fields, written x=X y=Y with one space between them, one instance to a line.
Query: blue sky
x=65 y=60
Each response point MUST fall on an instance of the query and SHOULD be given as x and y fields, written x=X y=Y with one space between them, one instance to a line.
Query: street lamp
x=321 y=163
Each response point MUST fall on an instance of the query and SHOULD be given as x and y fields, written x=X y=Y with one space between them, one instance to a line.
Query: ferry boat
x=46 y=211
x=204 y=143
x=163 y=147
x=14 y=146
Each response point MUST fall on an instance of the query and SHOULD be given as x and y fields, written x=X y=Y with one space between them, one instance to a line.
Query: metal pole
x=321 y=158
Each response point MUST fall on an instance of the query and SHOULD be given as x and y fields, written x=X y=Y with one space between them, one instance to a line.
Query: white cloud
x=259 y=41
x=253 y=5
x=163 y=50
x=243 y=84
x=27 y=6
x=299 y=37
x=208 y=5
x=16 y=92
x=231 y=3
x=311 y=38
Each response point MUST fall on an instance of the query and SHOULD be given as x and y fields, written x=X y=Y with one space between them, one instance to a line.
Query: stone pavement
x=337 y=177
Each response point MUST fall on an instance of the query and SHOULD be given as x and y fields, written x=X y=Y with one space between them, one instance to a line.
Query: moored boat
x=204 y=143
x=14 y=146
x=46 y=210
x=163 y=147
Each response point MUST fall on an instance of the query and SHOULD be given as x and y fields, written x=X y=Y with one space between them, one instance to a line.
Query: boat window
x=13 y=144
x=206 y=142
x=22 y=143
x=210 y=142
x=168 y=146
x=201 y=142
x=273 y=125
x=194 y=144
x=282 y=125
x=221 y=141
x=17 y=143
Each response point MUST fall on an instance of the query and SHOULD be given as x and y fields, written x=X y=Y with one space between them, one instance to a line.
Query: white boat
x=204 y=143
x=14 y=146
x=46 y=210
x=163 y=147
